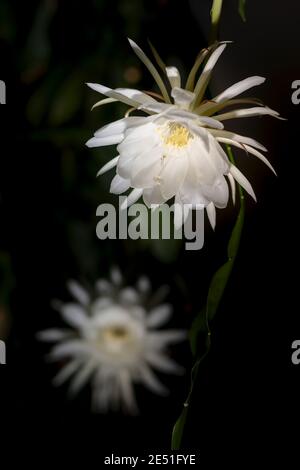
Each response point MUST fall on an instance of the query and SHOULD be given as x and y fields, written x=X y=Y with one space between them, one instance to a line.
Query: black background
x=246 y=403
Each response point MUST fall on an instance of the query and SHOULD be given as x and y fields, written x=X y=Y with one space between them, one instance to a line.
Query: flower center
x=178 y=135
x=116 y=334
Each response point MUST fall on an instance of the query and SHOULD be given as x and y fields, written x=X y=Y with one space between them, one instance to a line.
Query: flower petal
x=53 y=335
x=204 y=78
x=152 y=69
x=81 y=377
x=173 y=174
x=163 y=363
x=236 y=137
x=233 y=186
x=218 y=193
x=146 y=168
x=127 y=96
x=119 y=185
x=247 y=112
x=108 y=166
x=66 y=372
x=74 y=315
x=239 y=88
x=159 y=315
x=127 y=391
x=120 y=126
x=79 y=293
x=242 y=180
x=174 y=77
x=69 y=348
x=153 y=196
x=103 y=141
x=182 y=97
x=211 y=213
x=151 y=381
x=102 y=102
x=132 y=198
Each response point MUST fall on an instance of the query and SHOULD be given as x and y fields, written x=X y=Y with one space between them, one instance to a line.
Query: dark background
x=246 y=403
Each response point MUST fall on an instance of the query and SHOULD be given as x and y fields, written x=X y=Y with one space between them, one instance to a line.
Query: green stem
x=215 y=13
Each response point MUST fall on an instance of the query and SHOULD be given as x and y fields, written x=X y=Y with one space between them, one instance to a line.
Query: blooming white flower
x=176 y=149
x=114 y=342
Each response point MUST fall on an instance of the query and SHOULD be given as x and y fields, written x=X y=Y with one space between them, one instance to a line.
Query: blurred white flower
x=175 y=150
x=114 y=342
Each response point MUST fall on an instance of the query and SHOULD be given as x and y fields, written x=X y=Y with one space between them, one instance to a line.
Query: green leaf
x=242 y=9
x=178 y=429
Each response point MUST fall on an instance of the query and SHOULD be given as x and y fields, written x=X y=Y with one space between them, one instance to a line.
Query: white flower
x=114 y=342
x=176 y=149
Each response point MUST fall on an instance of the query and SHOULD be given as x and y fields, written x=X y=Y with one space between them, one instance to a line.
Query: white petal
x=104 y=287
x=143 y=284
x=129 y=295
x=131 y=199
x=146 y=168
x=151 y=381
x=153 y=196
x=247 y=112
x=209 y=107
x=211 y=122
x=116 y=276
x=211 y=213
x=128 y=96
x=239 y=88
x=127 y=392
x=159 y=315
x=182 y=97
x=199 y=59
x=236 y=137
x=120 y=126
x=81 y=378
x=162 y=338
x=68 y=349
x=173 y=174
x=137 y=95
x=53 y=335
x=249 y=149
x=218 y=193
x=152 y=69
x=66 y=372
x=108 y=166
x=174 y=77
x=186 y=117
x=102 y=303
x=102 y=141
x=242 y=180
x=163 y=363
x=102 y=102
x=74 y=315
x=260 y=156
x=181 y=211
x=205 y=76
x=233 y=186
x=119 y=185
x=78 y=292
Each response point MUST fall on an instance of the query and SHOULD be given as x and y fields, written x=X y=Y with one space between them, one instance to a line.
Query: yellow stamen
x=178 y=135
x=116 y=333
